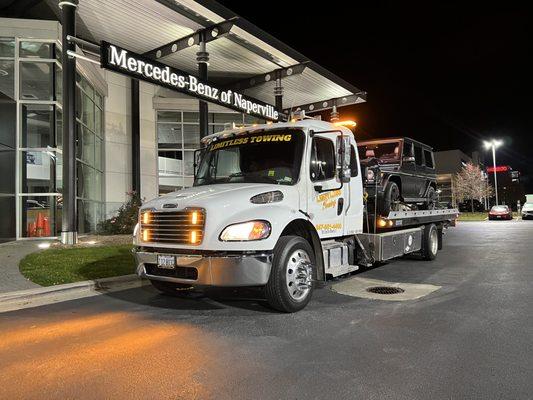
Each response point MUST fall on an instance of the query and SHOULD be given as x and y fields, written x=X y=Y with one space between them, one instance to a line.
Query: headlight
x=267 y=197
x=252 y=230
x=370 y=175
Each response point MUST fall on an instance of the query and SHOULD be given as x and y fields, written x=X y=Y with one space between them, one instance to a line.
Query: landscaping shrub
x=125 y=220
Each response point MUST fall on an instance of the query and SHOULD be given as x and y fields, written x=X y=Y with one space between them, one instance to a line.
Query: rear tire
x=290 y=284
x=430 y=242
x=172 y=288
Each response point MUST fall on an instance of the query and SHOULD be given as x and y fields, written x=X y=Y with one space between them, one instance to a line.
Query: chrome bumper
x=240 y=270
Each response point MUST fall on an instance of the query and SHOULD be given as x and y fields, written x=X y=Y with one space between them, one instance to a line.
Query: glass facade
x=31 y=142
x=89 y=155
x=8 y=145
x=39 y=186
x=178 y=134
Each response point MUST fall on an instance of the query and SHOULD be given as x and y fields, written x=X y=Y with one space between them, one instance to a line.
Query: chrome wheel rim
x=299 y=275
x=434 y=242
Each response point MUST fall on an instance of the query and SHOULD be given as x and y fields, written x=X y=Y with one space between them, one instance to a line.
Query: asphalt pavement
x=471 y=339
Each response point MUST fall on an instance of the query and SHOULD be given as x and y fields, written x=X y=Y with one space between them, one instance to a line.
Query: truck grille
x=178 y=227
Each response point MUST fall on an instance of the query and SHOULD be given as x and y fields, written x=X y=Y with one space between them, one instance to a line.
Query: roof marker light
x=347 y=124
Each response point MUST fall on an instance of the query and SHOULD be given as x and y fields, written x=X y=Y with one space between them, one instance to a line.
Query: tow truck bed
x=404 y=232
x=421 y=217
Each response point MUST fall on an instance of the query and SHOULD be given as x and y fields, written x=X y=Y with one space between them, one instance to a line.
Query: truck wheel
x=290 y=284
x=390 y=198
x=171 y=288
x=430 y=242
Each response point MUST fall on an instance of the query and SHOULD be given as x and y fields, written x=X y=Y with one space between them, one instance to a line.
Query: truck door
x=353 y=190
x=326 y=201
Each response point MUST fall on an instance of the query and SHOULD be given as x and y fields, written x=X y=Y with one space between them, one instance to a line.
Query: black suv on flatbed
x=399 y=170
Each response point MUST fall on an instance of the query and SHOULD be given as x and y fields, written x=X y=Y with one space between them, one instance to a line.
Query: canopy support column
x=202 y=58
x=69 y=229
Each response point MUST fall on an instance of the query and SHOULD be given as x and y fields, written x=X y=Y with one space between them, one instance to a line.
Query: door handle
x=340 y=206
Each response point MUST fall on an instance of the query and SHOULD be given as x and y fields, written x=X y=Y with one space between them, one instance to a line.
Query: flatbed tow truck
x=281 y=206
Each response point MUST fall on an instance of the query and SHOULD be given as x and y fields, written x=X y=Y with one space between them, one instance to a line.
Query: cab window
x=322 y=159
x=353 y=162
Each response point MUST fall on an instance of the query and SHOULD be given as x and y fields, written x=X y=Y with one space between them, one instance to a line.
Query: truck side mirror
x=408 y=159
x=343 y=158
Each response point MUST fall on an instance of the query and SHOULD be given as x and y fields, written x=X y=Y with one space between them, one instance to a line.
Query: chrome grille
x=173 y=226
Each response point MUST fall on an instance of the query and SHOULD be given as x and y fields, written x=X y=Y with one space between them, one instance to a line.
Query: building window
x=178 y=134
x=89 y=155
x=40 y=127
x=39 y=153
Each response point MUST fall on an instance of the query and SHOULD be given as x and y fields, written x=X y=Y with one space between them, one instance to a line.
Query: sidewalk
x=10 y=255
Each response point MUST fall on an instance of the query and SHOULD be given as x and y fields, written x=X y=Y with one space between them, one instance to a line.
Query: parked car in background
x=527 y=211
x=500 y=212
x=466 y=206
x=399 y=170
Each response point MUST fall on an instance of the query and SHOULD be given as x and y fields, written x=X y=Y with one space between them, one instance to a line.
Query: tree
x=470 y=184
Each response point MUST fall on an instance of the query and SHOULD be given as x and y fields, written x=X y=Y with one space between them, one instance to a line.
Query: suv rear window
x=500 y=208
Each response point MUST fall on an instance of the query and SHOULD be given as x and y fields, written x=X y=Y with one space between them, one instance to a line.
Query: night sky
x=447 y=75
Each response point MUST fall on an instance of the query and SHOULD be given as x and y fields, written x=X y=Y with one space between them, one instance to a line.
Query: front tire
x=391 y=196
x=290 y=284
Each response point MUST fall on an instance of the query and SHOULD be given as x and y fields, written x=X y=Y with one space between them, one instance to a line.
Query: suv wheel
x=431 y=199
x=391 y=197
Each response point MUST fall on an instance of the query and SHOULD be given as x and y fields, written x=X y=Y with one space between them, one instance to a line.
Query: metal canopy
x=243 y=51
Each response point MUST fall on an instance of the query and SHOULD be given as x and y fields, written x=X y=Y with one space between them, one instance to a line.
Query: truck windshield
x=267 y=157
x=385 y=152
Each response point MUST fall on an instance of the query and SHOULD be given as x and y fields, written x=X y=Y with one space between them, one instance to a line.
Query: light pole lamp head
x=492 y=143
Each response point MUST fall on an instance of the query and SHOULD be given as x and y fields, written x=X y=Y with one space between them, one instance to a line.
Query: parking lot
x=472 y=338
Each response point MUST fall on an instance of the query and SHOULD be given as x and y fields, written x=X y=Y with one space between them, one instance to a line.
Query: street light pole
x=492 y=145
x=495 y=174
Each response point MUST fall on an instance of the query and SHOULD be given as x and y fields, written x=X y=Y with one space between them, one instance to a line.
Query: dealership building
x=81 y=130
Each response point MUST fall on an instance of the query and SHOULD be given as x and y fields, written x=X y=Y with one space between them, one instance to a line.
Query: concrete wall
x=450 y=161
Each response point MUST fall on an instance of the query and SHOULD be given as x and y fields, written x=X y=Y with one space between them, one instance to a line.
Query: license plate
x=167 y=262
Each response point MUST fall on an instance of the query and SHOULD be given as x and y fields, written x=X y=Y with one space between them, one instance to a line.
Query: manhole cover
x=385 y=290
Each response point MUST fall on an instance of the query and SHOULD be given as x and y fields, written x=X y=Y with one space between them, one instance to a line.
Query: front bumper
x=230 y=270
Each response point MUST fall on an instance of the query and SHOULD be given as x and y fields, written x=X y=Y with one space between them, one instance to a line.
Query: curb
x=53 y=294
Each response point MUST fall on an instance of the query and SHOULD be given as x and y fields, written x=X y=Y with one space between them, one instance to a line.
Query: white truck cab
x=275 y=205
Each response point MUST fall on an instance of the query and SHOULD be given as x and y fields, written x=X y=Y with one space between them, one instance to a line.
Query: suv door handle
x=340 y=206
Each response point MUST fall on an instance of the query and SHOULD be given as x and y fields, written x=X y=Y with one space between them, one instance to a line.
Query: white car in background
x=527 y=211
